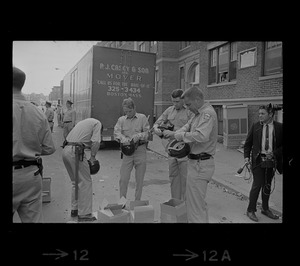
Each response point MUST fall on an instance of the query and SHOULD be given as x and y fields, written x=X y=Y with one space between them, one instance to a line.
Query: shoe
x=74 y=213
x=252 y=216
x=86 y=218
x=270 y=214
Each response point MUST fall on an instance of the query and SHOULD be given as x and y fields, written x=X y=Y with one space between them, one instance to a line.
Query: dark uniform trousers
x=262 y=180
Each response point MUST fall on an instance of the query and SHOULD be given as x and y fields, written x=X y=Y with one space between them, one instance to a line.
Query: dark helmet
x=129 y=148
x=178 y=149
x=94 y=167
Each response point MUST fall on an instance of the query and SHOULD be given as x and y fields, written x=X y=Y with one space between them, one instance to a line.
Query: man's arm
x=201 y=133
x=118 y=132
x=46 y=141
x=248 y=144
x=96 y=139
x=145 y=129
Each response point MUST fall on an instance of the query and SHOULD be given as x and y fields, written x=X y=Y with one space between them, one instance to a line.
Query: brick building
x=236 y=77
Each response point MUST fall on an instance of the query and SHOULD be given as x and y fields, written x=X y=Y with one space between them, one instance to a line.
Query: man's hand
x=247 y=160
x=157 y=131
x=125 y=141
x=92 y=159
x=168 y=133
x=136 y=138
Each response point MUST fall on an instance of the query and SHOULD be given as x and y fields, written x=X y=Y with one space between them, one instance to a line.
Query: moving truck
x=103 y=77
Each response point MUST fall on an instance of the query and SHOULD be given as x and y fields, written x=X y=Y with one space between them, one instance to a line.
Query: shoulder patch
x=207 y=116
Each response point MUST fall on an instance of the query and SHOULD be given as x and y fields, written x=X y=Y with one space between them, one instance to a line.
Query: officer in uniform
x=264 y=143
x=201 y=133
x=133 y=127
x=178 y=115
x=50 y=115
x=86 y=134
x=68 y=118
x=31 y=139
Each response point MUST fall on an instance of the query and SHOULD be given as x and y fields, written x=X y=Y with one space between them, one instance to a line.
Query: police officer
x=31 y=139
x=86 y=134
x=132 y=126
x=201 y=133
x=69 y=118
x=178 y=115
x=50 y=115
x=264 y=143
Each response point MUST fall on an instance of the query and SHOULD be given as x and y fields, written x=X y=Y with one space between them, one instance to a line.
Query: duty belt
x=24 y=163
x=201 y=156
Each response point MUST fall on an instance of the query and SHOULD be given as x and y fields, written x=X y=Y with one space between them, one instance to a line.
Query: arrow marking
x=60 y=255
x=192 y=255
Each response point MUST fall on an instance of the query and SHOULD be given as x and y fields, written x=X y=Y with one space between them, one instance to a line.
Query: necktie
x=267 y=138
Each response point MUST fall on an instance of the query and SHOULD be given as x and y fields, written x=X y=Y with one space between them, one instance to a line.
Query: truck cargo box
x=100 y=81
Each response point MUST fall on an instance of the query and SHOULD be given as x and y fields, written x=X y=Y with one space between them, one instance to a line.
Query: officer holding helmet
x=86 y=134
x=132 y=132
x=201 y=133
x=177 y=115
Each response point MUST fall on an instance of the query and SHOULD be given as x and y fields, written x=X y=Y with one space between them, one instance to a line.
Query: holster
x=79 y=150
x=39 y=163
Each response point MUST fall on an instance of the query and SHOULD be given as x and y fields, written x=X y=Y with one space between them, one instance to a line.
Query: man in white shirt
x=132 y=126
x=86 y=133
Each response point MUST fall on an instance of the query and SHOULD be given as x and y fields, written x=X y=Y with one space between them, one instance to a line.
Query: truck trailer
x=103 y=77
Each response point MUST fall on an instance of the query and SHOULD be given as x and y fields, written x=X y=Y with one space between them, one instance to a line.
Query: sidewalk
x=227 y=162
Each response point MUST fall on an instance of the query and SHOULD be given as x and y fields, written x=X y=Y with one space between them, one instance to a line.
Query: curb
x=232 y=190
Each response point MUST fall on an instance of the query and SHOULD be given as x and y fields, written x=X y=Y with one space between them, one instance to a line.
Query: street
x=225 y=203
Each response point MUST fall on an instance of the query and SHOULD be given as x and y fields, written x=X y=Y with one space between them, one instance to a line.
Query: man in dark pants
x=265 y=141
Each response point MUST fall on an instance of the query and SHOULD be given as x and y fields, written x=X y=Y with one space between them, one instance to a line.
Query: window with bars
x=222 y=63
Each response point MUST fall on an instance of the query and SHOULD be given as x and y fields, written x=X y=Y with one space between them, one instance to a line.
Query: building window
x=223 y=62
x=193 y=76
x=184 y=44
x=273 y=58
x=181 y=73
x=142 y=47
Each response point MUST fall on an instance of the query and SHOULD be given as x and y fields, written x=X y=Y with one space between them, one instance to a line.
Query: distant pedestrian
x=69 y=118
x=177 y=115
x=31 y=139
x=132 y=128
x=201 y=133
x=264 y=141
x=58 y=114
x=86 y=134
x=50 y=115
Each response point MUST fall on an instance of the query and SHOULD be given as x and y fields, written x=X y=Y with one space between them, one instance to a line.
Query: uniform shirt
x=127 y=127
x=202 y=131
x=86 y=131
x=271 y=131
x=178 y=118
x=49 y=114
x=31 y=132
x=68 y=115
